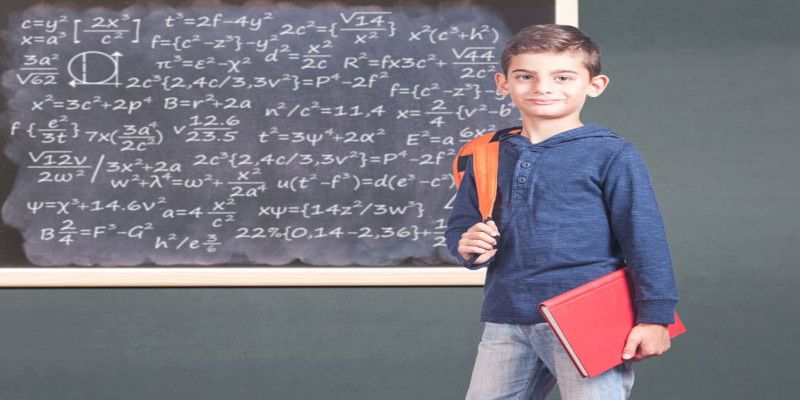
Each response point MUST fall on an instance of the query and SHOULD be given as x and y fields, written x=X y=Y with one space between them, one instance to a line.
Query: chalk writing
x=250 y=135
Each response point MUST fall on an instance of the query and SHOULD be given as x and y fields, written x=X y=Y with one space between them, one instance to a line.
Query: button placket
x=522 y=172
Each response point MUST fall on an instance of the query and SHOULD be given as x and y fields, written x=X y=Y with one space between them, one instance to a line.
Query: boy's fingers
x=481 y=239
x=483 y=254
x=489 y=227
x=485 y=237
x=481 y=227
x=473 y=249
x=480 y=233
x=495 y=233
x=485 y=257
x=494 y=227
x=630 y=347
x=478 y=243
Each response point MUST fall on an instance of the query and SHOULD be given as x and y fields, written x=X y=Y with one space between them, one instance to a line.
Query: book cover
x=593 y=320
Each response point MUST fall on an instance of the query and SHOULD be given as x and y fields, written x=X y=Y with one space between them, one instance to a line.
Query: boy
x=574 y=202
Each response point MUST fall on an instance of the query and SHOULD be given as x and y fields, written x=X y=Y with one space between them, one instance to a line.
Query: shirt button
x=521 y=179
x=526 y=164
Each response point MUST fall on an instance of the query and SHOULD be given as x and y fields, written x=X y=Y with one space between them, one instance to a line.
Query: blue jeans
x=525 y=362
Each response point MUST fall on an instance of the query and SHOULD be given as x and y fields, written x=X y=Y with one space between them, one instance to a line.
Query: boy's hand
x=478 y=239
x=651 y=339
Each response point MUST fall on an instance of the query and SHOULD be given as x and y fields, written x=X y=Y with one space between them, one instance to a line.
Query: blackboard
x=226 y=134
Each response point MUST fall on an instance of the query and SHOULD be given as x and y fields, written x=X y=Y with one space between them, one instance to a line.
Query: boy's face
x=549 y=85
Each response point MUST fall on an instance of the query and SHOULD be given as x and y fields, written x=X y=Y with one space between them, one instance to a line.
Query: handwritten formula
x=244 y=135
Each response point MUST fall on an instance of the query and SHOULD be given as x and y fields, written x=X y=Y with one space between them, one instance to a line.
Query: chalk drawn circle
x=93 y=68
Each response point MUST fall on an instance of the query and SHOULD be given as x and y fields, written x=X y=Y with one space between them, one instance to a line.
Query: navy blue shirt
x=570 y=209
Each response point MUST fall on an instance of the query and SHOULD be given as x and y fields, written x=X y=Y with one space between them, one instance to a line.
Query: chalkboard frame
x=566 y=12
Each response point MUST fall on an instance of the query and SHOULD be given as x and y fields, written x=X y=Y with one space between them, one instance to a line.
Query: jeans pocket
x=496 y=331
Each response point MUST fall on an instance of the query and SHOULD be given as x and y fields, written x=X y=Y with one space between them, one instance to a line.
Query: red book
x=593 y=320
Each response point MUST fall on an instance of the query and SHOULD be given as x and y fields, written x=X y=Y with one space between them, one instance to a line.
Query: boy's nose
x=542 y=88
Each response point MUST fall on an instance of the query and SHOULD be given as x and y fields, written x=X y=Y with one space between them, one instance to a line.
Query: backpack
x=485 y=152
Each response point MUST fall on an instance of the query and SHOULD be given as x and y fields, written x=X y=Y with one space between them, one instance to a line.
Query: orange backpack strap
x=485 y=153
x=465 y=154
x=484 y=168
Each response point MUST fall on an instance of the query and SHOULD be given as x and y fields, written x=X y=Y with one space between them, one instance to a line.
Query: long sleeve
x=464 y=215
x=638 y=227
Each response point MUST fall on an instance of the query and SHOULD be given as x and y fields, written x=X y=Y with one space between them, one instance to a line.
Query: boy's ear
x=597 y=85
x=501 y=82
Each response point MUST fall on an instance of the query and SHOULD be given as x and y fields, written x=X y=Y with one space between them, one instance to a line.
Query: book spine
x=607 y=279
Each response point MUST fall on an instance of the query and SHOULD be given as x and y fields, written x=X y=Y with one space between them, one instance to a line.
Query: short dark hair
x=553 y=38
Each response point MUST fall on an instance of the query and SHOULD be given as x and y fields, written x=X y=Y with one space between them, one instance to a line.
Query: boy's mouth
x=544 y=101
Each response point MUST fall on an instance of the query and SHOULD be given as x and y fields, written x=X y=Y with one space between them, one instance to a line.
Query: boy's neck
x=541 y=130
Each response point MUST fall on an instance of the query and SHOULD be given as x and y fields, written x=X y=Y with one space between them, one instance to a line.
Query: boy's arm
x=636 y=223
x=465 y=214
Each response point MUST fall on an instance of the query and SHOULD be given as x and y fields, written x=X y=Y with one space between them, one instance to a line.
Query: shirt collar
x=512 y=135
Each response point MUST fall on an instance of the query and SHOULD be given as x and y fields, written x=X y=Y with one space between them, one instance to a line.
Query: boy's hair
x=553 y=38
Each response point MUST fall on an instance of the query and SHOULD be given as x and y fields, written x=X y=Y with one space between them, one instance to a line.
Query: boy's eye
x=563 y=78
x=524 y=77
